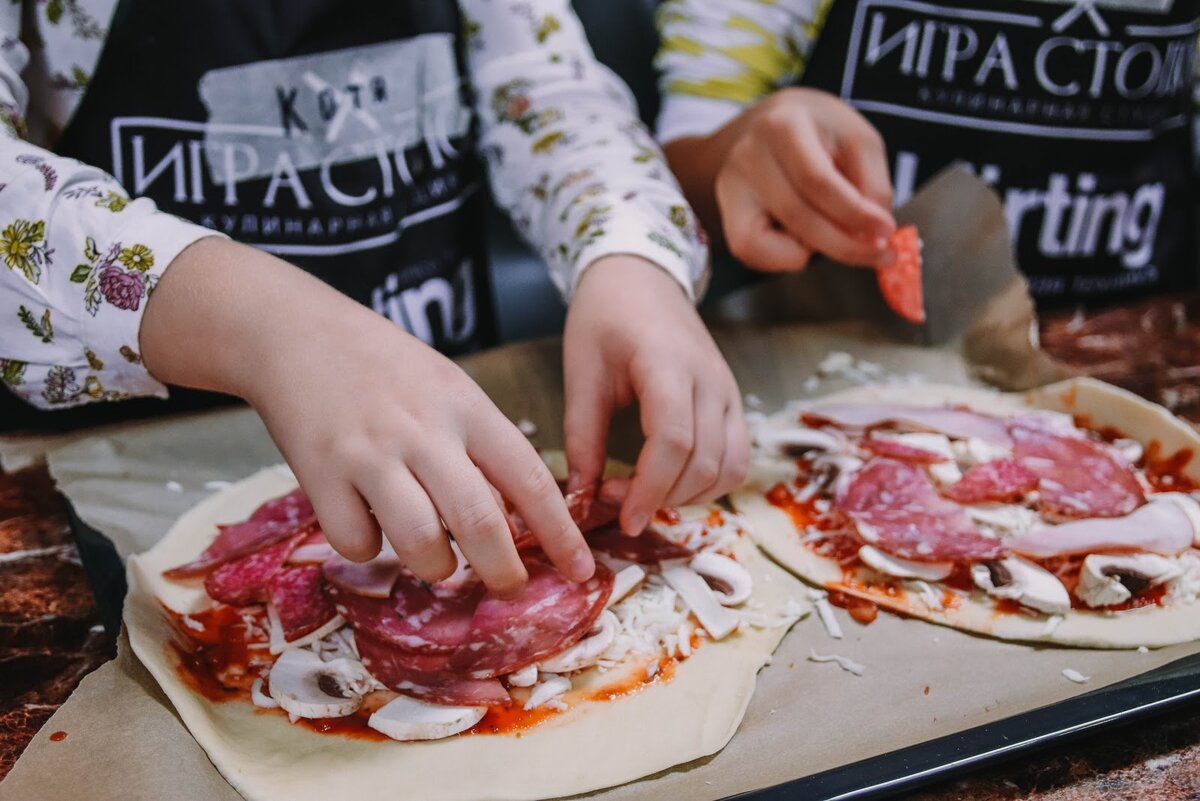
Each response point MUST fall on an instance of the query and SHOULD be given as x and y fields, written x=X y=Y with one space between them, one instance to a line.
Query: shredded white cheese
x=527 y=427
x=845 y=663
x=217 y=485
x=1052 y=623
x=820 y=600
x=174 y=486
x=1074 y=675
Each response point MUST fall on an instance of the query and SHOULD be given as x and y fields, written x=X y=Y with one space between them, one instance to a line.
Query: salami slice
x=904 y=453
x=895 y=508
x=593 y=507
x=245 y=581
x=900 y=282
x=373 y=579
x=299 y=600
x=549 y=615
x=1000 y=480
x=646 y=548
x=395 y=669
x=274 y=521
x=1077 y=476
x=412 y=618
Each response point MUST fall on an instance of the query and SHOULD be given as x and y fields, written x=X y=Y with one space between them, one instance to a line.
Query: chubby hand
x=381 y=430
x=632 y=333
x=803 y=173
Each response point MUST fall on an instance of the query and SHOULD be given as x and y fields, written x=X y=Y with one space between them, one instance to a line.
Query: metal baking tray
x=1154 y=692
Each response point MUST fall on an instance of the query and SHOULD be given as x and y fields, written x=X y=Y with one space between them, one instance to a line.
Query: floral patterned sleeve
x=78 y=259
x=719 y=56
x=569 y=160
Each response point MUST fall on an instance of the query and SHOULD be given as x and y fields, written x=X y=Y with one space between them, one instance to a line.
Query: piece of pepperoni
x=549 y=615
x=646 y=548
x=274 y=521
x=904 y=453
x=245 y=581
x=427 y=679
x=297 y=593
x=900 y=282
x=413 y=618
x=1077 y=476
x=997 y=481
x=894 y=507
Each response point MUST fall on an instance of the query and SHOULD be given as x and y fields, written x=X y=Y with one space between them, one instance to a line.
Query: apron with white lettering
x=335 y=135
x=1078 y=115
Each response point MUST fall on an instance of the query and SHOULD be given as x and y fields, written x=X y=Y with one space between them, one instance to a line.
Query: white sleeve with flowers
x=569 y=159
x=78 y=258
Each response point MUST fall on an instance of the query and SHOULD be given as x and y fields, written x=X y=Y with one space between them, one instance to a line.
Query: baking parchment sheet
x=124 y=740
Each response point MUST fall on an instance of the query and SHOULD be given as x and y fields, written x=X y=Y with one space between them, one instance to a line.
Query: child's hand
x=631 y=333
x=380 y=429
x=799 y=173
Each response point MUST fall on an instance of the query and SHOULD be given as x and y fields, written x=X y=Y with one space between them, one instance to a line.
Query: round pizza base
x=591 y=746
x=1103 y=405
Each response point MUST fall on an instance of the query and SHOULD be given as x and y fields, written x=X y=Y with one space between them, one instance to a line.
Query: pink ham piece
x=316 y=554
x=646 y=548
x=997 y=481
x=426 y=678
x=550 y=615
x=904 y=453
x=245 y=581
x=412 y=618
x=299 y=601
x=373 y=579
x=1162 y=526
x=270 y=523
x=1077 y=476
x=955 y=423
x=895 y=508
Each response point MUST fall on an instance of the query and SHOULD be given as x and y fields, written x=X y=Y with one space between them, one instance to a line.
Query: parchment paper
x=125 y=742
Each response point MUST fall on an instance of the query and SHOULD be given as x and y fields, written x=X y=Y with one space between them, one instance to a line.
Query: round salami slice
x=997 y=481
x=299 y=599
x=435 y=684
x=549 y=615
x=904 y=453
x=274 y=521
x=895 y=508
x=647 y=548
x=1077 y=477
x=412 y=618
x=245 y=581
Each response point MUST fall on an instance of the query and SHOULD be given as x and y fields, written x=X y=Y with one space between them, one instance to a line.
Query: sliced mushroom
x=733 y=582
x=405 y=718
x=585 y=652
x=1024 y=582
x=625 y=580
x=694 y=591
x=1003 y=519
x=551 y=688
x=1190 y=507
x=972 y=451
x=307 y=687
x=903 y=568
x=1109 y=579
x=831 y=473
x=525 y=677
x=795 y=441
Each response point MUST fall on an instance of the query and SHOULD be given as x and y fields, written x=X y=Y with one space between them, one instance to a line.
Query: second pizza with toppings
x=1067 y=515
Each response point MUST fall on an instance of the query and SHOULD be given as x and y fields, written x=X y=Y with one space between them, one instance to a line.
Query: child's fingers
x=512 y=465
x=585 y=425
x=736 y=463
x=751 y=235
x=703 y=467
x=667 y=421
x=810 y=169
x=345 y=518
x=808 y=225
x=410 y=522
x=465 y=502
x=863 y=158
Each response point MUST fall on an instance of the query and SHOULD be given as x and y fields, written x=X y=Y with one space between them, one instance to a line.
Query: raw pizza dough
x=1103 y=405
x=592 y=746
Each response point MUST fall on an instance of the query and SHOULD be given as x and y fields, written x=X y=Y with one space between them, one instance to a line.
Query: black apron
x=1079 y=116
x=335 y=135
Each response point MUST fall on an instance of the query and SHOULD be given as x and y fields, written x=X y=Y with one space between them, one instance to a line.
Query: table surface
x=50 y=638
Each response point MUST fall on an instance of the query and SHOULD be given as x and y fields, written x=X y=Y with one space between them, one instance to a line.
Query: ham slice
x=904 y=453
x=647 y=548
x=426 y=678
x=1166 y=525
x=296 y=593
x=274 y=521
x=997 y=481
x=373 y=579
x=550 y=615
x=1077 y=477
x=955 y=423
x=412 y=618
x=245 y=581
x=895 y=508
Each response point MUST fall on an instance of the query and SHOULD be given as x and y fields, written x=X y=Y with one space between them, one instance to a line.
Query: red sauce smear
x=862 y=610
x=217 y=661
x=58 y=736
